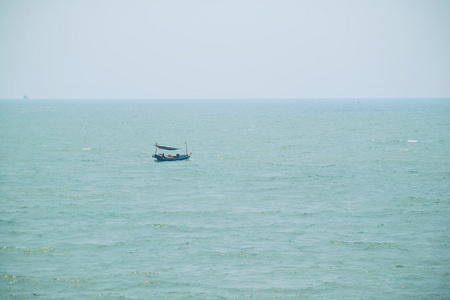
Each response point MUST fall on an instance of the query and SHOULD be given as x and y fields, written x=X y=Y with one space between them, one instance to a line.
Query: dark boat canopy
x=166 y=148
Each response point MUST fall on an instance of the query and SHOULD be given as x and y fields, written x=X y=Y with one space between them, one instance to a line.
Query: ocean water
x=307 y=199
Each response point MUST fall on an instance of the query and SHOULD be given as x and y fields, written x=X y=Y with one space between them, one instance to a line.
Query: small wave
x=69 y=279
x=100 y=195
x=142 y=273
x=420 y=199
x=11 y=278
x=7 y=248
x=39 y=250
x=7 y=222
x=240 y=254
x=225 y=157
x=298 y=232
x=150 y=282
x=369 y=245
x=158 y=226
x=292 y=147
x=29 y=250
x=413 y=199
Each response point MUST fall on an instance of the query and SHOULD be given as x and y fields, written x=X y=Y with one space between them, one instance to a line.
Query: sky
x=233 y=49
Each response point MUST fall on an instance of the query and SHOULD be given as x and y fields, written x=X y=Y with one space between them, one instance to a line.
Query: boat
x=170 y=157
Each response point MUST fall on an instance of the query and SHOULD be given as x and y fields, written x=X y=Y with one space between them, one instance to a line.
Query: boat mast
x=186 y=148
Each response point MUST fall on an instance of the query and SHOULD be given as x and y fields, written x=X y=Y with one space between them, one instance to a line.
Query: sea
x=281 y=199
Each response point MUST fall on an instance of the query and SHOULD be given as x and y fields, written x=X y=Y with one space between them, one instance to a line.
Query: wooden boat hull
x=160 y=157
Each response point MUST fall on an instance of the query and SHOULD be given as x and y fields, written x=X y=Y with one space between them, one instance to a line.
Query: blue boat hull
x=172 y=158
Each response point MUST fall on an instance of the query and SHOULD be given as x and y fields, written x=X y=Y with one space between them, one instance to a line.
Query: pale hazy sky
x=224 y=48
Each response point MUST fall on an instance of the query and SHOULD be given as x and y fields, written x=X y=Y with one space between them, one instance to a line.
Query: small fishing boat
x=170 y=157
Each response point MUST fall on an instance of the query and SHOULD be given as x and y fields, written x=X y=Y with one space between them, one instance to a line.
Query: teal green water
x=328 y=199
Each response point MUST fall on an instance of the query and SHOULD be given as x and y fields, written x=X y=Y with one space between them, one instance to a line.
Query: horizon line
x=233 y=99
